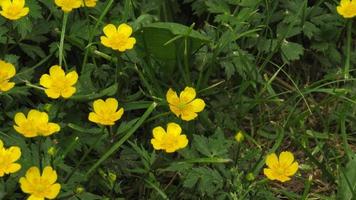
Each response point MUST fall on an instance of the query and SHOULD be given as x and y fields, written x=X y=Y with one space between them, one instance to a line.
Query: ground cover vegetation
x=185 y=99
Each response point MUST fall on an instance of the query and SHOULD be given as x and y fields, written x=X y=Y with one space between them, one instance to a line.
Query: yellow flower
x=8 y=157
x=89 y=3
x=7 y=71
x=13 y=9
x=170 y=141
x=68 y=5
x=118 y=38
x=280 y=168
x=105 y=112
x=239 y=137
x=57 y=83
x=36 y=124
x=185 y=106
x=40 y=187
x=347 y=8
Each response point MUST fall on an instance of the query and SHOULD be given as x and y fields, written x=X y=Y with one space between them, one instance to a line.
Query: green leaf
x=291 y=51
x=347 y=181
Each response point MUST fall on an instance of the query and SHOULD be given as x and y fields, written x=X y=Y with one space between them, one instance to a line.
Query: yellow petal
x=52 y=93
x=25 y=185
x=93 y=117
x=1 y=144
x=269 y=173
x=32 y=174
x=99 y=106
x=272 y=160
x=125 y=30
x=130 y=43
x=49 y=174
x=157 y=144
x=13 y=167
x=187 y=95
x=172 y=97
x=286 y=158
x=72 y=78
x=182 y=141
x=46 y=81
x=118 y=114
x=6 y=86
x=68 y=92
x=197 y=105
x=53 y=191
x=56 y=71
x=109 y=30
x=158 y=133
x=41 y=118
x=188 y=115
x=7 y=68
x=20 y=119
x=175 y=110
x=283 y=178
x=105 y=41
x=174 y=129
x=24 y=12
x=292 y=169
x=15 y=153
x=111 y=104
x=19 y=3
x=33 y=197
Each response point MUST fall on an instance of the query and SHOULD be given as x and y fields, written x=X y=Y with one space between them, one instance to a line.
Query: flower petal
x=68 y=92
x=72 y=78
x=49 y=174
x=25 y=185
x=56 y=71
x=125 y=30
x=286 y=158
x=20 y=118
x=52 y=93
x=188 y=115
x=172 y=97
x=272 y=160
x=292 y=169
x=15 y=153
x=197 y=105
x=187 y=95
x=111 y=105
x=174 y=129
x=99 y=106
x=53 y=191
x=182 y=141
x=158 y=133
x=13 y=167
x=32 y=174
x=109 y=30
x=269 y=173
x=46 y=81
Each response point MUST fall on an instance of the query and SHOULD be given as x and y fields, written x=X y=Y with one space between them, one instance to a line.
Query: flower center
x=40 y=187
x=118 y=40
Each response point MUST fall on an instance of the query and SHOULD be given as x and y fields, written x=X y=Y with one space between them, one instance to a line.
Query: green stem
x=63 y=32
x=348 y=50
x=118 y=144
x=347 y=148
x=83 y=157
x=91 y=36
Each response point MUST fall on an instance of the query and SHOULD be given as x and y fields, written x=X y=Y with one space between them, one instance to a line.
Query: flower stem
x=61 y=43
x=348 y=50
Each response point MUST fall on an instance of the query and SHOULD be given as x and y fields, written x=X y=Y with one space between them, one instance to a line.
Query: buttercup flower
x=118 y=38
x=280 y=168
x=105 y=112
x=169 y=141
x=13 y=9
x=185 y=106
x=40 y=186
x=89 y=3
x=7 y=71
x=347 y=8
x=8 y=157
x=239 y=137
x=57 y=83
x=36 y=124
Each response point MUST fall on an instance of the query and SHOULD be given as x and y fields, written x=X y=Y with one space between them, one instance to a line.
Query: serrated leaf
x=291 y=51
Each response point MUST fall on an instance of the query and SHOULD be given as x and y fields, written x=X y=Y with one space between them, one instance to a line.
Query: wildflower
x=36 y=124
x=280 y=168
x=185 y=106
x=239 y=137
x=57 y=83
x=13 y=9
x=170 y=141
x=118 y=38
x=68 y=5
x=40 y=186
x=89 y=3
x=8 y=157
x=7 y=71
x=347 y=8
x=105 y=112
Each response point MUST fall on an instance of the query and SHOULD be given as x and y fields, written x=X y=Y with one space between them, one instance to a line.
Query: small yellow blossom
x=89 y=3
x=105 y=112
x=40 y=186
x=169 y=141
x=239 y=137
x=118 y=38
x=347 y=8
x=280 y=168
x=7 y=71
x=36 y=124
x=185 y=106
x=57 y=83
x=13 y=9
x=8 y=157
x=68 y=5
